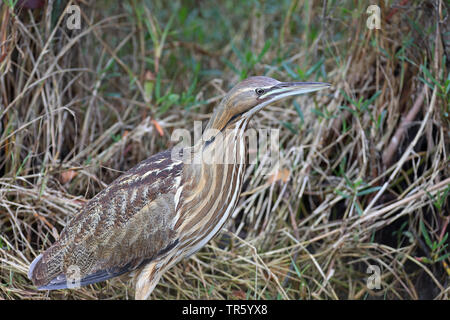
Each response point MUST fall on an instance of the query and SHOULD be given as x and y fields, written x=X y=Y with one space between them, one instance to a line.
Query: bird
x=165 y=208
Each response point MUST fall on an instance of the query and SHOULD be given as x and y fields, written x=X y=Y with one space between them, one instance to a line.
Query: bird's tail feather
x=33 y=265
x=46 y=269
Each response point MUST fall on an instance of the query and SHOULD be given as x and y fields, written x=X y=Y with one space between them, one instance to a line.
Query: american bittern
x=163 y=209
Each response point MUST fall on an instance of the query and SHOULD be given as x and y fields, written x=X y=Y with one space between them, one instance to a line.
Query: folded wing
x=123 y=227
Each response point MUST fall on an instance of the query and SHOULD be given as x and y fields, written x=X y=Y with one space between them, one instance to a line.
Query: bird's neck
x=222 y=117
x=218 y=153
x=224 y=146
x=212 y=182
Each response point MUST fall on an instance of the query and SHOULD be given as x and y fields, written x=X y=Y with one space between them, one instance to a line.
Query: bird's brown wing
x=124 y=226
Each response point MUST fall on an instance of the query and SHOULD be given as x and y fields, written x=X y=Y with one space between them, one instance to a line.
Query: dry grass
x=364 y=177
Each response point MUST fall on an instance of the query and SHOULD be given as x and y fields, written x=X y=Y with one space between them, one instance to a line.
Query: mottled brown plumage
x=163 y=209
x=118 y=227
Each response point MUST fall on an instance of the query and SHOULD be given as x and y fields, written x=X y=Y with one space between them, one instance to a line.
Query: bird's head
x=254 y=93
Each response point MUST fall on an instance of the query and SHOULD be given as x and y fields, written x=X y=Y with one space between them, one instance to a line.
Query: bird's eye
x=259 y=91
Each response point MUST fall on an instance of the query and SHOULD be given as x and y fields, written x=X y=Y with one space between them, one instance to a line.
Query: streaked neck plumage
x=213 y=182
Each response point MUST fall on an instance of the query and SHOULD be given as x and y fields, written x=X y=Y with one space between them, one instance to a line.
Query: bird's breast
x=211 y=190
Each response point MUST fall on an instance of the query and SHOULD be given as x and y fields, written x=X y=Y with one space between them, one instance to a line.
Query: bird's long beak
x=286 y=89
x=283 y=90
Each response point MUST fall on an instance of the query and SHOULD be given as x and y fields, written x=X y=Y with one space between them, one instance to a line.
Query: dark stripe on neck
x=232 y=119
x=207 y=143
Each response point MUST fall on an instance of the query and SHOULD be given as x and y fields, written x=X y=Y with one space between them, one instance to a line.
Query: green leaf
x=371 y=99
x=381 y=118
x=343 y=195
x=444 y=240
x=425 y=235
x=19 y=170
x=428 y=74
x=158 y=86
x=315 y=67
x=264 y=50
x=289 y=126
x=299 y=111
x=238 y=54
x=289 y=70
x=347 y=97
x=148 y=89
x=358 y=208
x=367 y=191
x=319 y=113
x=299 y=274
x=231 y=66
x=441 y=258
